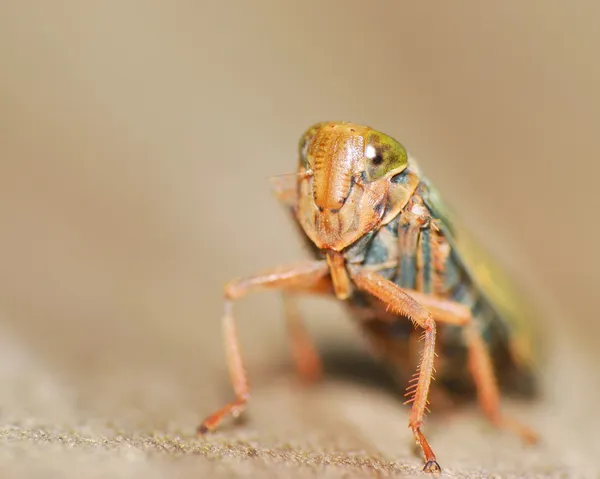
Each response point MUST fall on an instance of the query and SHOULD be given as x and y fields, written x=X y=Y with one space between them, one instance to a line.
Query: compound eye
x=384 y=156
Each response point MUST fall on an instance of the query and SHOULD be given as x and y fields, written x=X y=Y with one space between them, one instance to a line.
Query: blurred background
x=136 y=142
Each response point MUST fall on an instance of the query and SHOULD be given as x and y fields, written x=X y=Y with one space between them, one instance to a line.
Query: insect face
x=345 y=177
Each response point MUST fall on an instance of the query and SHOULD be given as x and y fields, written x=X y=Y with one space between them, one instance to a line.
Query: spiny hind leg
x=440 y=399
x=479 y=361
x=401 y=303
x=402 y=357
x=287 y=278
x=422 y=309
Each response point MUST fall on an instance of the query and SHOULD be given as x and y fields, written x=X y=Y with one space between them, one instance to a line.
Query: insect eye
x=377 y=160
x=385 y=157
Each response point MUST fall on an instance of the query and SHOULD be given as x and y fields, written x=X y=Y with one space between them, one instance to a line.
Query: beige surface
x=135 y=143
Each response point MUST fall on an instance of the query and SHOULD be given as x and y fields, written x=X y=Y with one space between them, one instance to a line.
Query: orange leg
x=306 y=358
x=298 y=276
x=403 y=304
x=417 y=307
x=480 y=365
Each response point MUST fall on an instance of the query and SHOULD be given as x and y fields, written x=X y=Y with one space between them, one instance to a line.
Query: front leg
x=288 y=278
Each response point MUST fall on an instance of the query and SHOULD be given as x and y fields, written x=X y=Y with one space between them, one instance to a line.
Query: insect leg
x=402 y=303
x=281 y=278
x=488 y=395
x=479 y=362
x=444 y=311
x=306 y=358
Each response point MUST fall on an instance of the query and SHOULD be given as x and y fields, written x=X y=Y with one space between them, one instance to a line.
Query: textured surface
x=351 y=425
x=136 y=139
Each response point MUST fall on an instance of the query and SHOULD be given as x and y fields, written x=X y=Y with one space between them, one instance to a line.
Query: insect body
x=385 y=245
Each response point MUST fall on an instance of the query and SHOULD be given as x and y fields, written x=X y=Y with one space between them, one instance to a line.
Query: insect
x=419 y=288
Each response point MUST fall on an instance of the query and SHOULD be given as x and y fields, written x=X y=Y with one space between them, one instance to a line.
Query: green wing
x=491 y=280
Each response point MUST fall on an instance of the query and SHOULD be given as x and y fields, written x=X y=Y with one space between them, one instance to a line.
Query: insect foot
x=432 y=467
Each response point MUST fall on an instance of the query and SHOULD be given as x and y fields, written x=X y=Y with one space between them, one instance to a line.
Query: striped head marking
x=345 y=178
